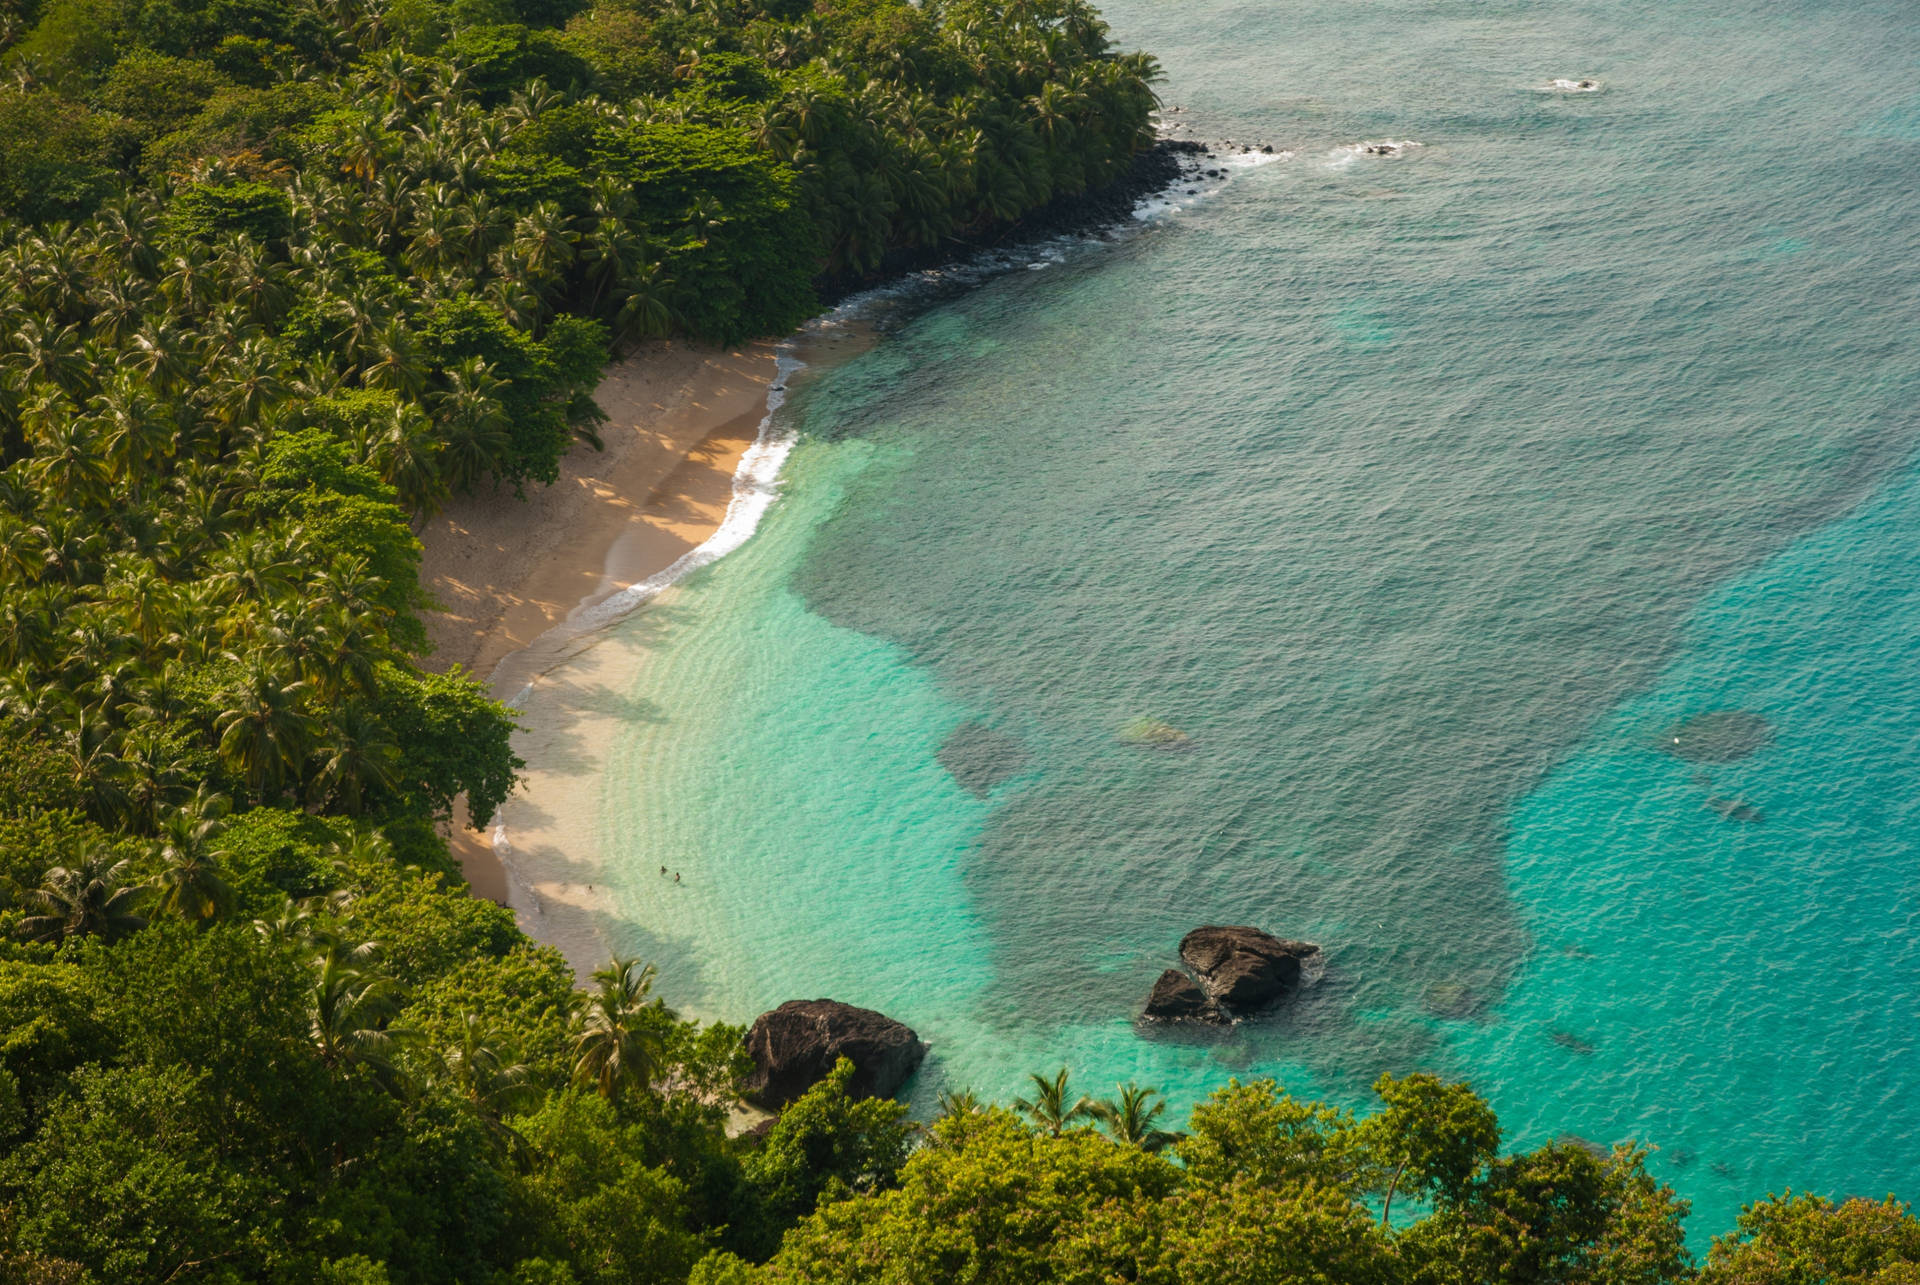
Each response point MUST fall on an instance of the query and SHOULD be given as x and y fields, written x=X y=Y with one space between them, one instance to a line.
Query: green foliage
x=504 y=57
x=57 y=158
x=272 y=854
x=526 y=993
x=158 y=92
x=453 y=739
x=827 y=1146
x=986 y=1200
x=424 y=927
x=126 y=1178
x=1430 y=1141
x=32 y=844
x=1556 y=1214
x=1254 y=1134
x=207 y=211
x=33 y=778
x=616 y=1222
x=47 y=1029
x=241 y=121
x=732 y=235
x=1810 y=1240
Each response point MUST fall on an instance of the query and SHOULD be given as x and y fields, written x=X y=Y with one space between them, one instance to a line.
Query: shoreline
x=510 y=569
x=522 y=578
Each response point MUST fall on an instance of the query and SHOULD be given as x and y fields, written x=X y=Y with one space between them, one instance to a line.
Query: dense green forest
x=278 y=278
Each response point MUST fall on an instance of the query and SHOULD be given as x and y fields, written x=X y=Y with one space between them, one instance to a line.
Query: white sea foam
x=756 y=485
x=1199 y=180
x=755 y=488
x=1370 y=149
x=1564 y=86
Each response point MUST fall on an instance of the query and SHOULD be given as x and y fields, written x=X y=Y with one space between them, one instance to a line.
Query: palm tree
x=263 y=731
x=619 y=1038
x=90 y=898
x=959 y=1102
x=473 y=423
x=1130 y=1117
x=357 y=754
x=1048 y=1108
x=347 y=1013
x=485 y=1072
x=190 y=884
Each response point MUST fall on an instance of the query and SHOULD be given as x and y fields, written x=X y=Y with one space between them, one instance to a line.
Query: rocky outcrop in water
x=1176 y=997
x=796 y=1045
x=1243 y=968
x=1236 y=971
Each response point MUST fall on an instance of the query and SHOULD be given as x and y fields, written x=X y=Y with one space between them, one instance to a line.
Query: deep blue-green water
x=1426 y=493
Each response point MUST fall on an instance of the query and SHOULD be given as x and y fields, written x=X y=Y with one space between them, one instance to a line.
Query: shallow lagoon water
x=1424 y=493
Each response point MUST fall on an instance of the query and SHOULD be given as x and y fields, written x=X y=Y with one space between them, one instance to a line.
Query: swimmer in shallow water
x=676 y=876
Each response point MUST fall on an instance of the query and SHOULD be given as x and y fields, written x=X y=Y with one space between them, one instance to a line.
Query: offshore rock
x=1243 y=968
x=1176 y=997
x=796 y=1045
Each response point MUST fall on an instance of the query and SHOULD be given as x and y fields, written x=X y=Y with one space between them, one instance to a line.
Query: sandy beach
x=509 y=570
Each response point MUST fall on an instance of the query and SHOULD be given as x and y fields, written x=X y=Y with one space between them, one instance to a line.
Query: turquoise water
x=1425 y=493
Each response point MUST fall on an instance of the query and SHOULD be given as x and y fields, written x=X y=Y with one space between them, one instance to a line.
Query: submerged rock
x=1243 y=968
x=796 y=1045
x=1176 y=997
x=979 y=757
x=1720 y=736
x=1154 y=734
x=1587 y=1145
x=1736 y=810
x=1452 y=1000
x=1571 y=1042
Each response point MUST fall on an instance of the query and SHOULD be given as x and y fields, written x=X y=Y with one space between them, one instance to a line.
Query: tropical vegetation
x=277 y=278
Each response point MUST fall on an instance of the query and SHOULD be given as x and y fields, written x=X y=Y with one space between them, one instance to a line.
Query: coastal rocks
x=1236 y=971
x=1176 y=997
x=797 y=1044
x=1719 y=736
x=979 y=757
x=1153 y=171
x=1387 y=147
x=1243 y=968
x=1153 y=734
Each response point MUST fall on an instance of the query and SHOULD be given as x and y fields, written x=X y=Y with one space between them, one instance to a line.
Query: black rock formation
x=796 y=1045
